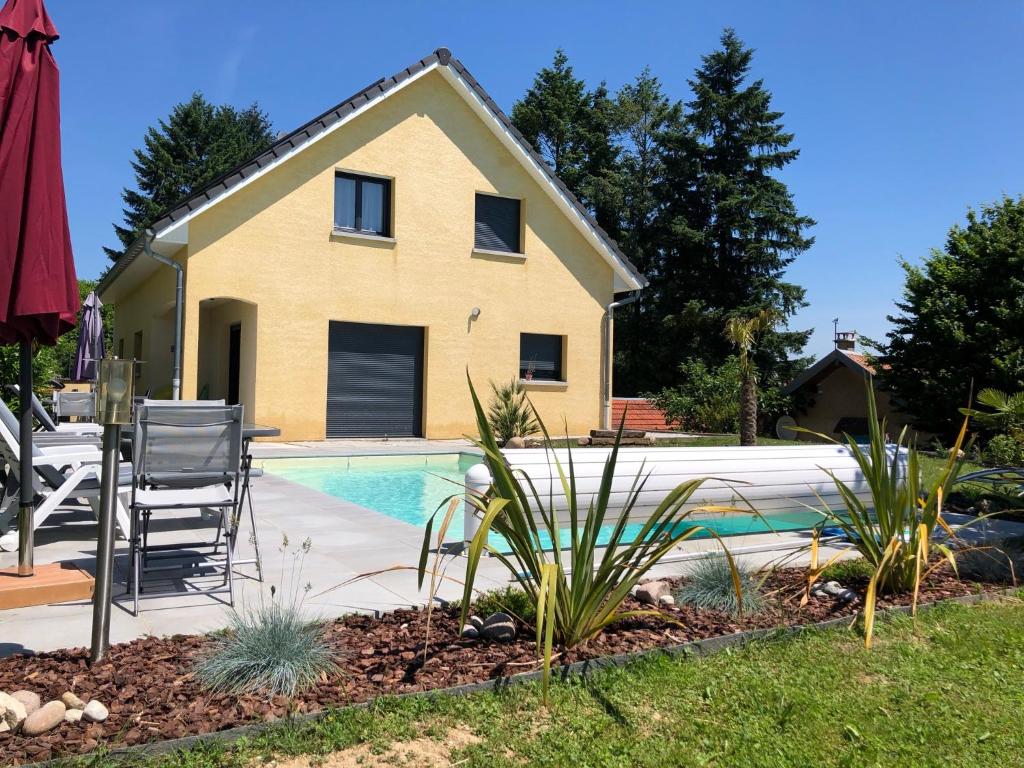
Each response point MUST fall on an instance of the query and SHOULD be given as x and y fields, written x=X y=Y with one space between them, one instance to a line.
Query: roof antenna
x=835 y=332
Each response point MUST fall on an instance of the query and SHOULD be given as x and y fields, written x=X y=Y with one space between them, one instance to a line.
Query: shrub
x=572 y=609
x=893 y=531
x=1004 y=451
x=269 y=650
x=710 y=586
x=1000 y=563
x=511 y=600
x=852 y=569
x=509 y=413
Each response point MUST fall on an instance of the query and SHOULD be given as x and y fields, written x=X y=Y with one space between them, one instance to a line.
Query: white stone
x=667 y=600
x=30 y=699
x=95 y=712
x=12 y=711
x=73 y=716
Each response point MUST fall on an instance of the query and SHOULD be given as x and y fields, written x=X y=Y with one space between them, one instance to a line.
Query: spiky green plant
x=509 y=413
x=893 y=531
x=272 y=648
x=709 y=586
x=571 y=607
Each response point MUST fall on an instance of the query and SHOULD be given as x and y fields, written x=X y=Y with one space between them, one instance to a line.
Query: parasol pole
x=26 y=511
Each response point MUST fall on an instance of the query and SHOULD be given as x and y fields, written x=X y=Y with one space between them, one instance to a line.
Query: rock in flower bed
x=151 y=692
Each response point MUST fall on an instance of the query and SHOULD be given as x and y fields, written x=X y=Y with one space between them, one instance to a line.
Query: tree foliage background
x=194 y=145
x=961 y=322
x=690 y=193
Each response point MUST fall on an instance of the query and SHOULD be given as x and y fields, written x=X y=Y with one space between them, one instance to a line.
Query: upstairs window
x=362 y=204
x=540 y=357
x=497 y=224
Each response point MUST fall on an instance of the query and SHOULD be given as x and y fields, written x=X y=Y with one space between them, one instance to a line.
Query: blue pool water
x=410 y=488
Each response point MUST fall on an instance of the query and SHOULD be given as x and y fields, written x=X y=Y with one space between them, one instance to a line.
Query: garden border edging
x=696 y=648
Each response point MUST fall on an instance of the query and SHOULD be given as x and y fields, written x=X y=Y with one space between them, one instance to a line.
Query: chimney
x=846 y=340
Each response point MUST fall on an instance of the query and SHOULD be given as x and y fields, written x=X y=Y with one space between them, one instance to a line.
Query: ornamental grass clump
x=271 y=649
x=710 y=586
x=579 y=590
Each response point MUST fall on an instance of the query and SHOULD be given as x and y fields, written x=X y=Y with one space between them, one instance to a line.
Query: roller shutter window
x=498 y=223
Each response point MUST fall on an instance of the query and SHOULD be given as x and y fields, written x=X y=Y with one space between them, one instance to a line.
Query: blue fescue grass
x=272 y=648
x=711 y=587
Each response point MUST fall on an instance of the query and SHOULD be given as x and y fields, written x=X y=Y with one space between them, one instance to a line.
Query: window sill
x=361 y=237
x=543 y=384
x=485 y=253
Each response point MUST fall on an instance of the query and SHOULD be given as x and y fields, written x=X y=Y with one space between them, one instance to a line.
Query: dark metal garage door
x=374 y=380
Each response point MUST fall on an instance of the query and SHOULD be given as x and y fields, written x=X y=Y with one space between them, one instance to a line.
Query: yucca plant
x=509 y=413
x=579 y=592
x=893 y=532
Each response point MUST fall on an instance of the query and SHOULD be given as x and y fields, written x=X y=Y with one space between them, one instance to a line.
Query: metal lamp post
x=114 y=393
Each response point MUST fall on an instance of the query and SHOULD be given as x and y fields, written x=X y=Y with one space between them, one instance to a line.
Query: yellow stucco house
x=341 y=283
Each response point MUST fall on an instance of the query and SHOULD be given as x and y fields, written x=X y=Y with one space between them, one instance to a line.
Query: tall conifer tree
x=195 y=144
x=730 y=226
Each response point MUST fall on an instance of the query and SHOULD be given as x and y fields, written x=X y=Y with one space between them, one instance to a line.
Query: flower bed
x=152 y=694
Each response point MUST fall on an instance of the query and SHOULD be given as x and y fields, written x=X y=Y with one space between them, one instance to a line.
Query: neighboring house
x=834 y=390
x=343 y=282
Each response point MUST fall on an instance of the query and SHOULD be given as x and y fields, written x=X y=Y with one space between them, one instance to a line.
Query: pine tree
x=197 y=143
x=643 y=116
x=730 y=226
x=572 y=129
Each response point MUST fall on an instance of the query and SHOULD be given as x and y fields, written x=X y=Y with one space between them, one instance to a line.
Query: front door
x=234 y=361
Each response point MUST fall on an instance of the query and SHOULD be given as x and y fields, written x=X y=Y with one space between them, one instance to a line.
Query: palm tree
x=743 y=332
x=1007 y=414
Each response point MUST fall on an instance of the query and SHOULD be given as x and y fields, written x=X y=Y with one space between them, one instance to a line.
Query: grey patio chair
x=184 y=457
x=78 y=404
x=47 y=424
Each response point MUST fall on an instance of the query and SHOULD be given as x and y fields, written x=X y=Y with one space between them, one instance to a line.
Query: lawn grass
x=949 y=694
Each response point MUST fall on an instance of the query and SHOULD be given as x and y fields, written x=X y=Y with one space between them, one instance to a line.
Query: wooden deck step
x=51 y=583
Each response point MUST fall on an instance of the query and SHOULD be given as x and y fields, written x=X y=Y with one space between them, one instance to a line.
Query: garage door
x=374 y=380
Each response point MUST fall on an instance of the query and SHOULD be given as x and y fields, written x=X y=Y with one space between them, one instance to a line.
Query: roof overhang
x=823 y=367
x=171 y=231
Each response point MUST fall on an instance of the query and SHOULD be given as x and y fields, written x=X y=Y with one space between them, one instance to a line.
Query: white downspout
x=606 y=374
x=179 y=284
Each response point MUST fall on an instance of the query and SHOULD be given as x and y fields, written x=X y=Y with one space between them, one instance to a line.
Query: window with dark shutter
x=362 y=204
x=497 y=223
x=540 y=357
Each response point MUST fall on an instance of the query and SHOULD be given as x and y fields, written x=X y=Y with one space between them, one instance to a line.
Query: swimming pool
x=411 y=487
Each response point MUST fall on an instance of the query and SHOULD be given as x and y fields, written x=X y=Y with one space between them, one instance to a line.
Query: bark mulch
x=152 y=695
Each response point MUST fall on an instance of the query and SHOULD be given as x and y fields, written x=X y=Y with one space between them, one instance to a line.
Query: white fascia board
x=624 y=278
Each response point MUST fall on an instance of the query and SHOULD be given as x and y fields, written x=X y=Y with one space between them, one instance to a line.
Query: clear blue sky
x=906 y=113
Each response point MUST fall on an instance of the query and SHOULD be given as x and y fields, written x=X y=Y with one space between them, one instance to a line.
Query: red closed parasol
x=38 y=288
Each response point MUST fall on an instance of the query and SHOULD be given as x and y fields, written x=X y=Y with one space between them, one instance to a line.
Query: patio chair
x=47 y=424
x=62 y=472
x=81 y=405
x=185 y=457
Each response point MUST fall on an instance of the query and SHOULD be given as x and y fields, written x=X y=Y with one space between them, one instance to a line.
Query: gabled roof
x=171 y=225
x=837 y=358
